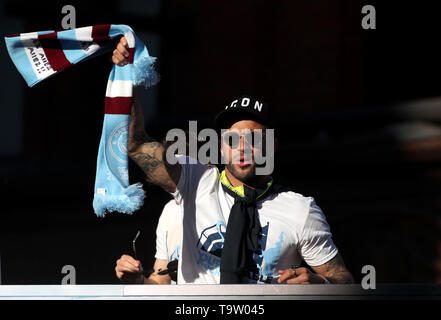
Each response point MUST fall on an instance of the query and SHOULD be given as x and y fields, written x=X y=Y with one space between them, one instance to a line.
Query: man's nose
x=242 y=143
x=244 y=147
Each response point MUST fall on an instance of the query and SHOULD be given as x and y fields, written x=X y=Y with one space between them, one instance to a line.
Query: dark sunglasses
x=252 y=138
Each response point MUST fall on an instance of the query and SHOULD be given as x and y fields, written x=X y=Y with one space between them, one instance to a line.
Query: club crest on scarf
x=117 y=142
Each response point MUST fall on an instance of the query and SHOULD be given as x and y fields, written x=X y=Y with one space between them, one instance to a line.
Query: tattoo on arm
x=147 y=159
x=335 y=271
x=149 y=154
x=151 y=159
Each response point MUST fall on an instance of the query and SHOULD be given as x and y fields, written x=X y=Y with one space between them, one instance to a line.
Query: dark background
x=358 y=114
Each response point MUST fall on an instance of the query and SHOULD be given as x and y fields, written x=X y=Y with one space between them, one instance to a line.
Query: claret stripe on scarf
x=54 y=53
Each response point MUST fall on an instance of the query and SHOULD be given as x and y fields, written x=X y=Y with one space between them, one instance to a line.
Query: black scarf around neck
x=243 y=228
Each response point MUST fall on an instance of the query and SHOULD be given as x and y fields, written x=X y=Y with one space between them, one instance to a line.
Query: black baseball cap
x=243 y=108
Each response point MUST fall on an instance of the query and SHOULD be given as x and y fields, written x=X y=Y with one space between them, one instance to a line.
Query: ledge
x=220 y=292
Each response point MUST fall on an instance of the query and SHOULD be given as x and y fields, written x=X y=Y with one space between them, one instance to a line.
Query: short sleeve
x=316 y=245
x=191 y=173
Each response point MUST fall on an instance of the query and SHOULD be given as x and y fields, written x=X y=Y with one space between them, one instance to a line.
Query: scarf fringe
x=143 y=72
x=129 y=202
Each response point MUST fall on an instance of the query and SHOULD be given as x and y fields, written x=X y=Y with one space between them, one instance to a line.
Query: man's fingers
x=129 y=264
x=116 y=61
x=299 y=274
x=122 y=49
x=125 y=269
x=301 y=279
x=285 y=274
x=123 y=41
x=131 y=260
x=128 y=269
x=124 y=266
x=299 y=271
x=119 y=57
x=120 y=54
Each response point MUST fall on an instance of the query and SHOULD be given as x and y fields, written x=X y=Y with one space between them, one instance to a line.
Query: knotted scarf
x=39 y=55
x=243 y=229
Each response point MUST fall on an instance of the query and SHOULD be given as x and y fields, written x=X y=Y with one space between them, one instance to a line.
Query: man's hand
x=120 y=54
x=299 y=276
x=334 y=271
x=144 y=150
x=129 y=270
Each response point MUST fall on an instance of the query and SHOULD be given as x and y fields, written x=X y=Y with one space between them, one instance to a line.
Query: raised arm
x=147 y=153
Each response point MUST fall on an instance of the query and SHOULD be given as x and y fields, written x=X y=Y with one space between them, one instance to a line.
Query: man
x=168 y=245
x=238 y=227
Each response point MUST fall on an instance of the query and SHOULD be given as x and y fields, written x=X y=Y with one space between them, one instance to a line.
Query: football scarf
x=39 y=55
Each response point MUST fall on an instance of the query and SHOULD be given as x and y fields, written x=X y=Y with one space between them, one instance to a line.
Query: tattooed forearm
x=137 y=134
x=148 y=154
x=148 y=160
x=335 y=271
x=341 y=278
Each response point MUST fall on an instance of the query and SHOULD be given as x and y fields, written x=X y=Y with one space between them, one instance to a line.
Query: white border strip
x=216 y=292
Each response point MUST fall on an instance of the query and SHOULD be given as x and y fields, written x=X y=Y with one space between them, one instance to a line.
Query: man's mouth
x=243 y=162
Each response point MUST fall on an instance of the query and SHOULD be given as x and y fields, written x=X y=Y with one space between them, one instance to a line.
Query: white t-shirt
x=169 y=232
x=293 y=228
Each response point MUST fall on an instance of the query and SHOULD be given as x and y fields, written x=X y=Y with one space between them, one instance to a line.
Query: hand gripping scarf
x=39 y=55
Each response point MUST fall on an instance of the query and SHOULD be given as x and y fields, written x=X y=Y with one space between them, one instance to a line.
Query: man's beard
x=245 y=176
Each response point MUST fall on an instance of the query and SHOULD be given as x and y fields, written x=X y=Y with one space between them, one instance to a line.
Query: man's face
x=240 y=144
